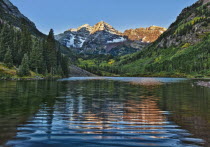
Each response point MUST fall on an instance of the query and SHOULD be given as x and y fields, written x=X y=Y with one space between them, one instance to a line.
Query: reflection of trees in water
x=190 y=107
x=99 y=104
x=100 y=107
x=18 y=101
x=97 y=108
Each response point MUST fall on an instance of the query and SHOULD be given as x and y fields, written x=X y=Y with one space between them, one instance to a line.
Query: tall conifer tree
x=36 y=58
x=24 y=67
x=8 y=58
x=51 y=52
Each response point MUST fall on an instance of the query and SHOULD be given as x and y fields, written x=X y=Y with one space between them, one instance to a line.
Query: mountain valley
x=181 y=50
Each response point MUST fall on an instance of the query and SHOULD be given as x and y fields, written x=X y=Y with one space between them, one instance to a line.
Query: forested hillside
x=23 y=54
x=26 y=52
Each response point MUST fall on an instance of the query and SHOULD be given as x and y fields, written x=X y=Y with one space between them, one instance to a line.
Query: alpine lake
x=104 y=112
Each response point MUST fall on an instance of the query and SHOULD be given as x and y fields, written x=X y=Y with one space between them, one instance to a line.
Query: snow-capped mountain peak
x=90 y=37
x=100 y=26
x=102 y=38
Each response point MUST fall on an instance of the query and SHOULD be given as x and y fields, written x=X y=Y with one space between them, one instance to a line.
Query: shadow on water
x=104 y=112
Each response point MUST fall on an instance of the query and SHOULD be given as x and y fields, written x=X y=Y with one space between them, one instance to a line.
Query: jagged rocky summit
x=102 y=38
x=148 y=35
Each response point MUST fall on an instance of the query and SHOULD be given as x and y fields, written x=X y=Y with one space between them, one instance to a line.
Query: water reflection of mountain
x=107 y=110
x=129 y=113
x=146 y=111
x=110 y=112
x=141 y=109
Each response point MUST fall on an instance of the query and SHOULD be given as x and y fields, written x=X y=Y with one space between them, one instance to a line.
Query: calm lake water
x=104 y=112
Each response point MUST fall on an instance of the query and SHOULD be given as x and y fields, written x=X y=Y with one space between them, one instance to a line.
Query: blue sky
x=121 y=14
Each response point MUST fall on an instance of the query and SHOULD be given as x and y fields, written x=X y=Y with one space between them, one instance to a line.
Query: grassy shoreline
x=11 y=74
x=28 y=78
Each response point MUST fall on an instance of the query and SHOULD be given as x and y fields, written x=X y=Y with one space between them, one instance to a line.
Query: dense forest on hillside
x=174 y=61
x=24 y=54
x=185 y=58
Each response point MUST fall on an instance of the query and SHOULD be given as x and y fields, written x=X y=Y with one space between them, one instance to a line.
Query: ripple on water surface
x=103 y=113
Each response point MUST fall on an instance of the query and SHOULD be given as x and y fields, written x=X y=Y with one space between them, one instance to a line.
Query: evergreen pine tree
x=25 y=42
x=8 y=58
x=5 y=38
x=51 y=52
x=16 y=53
x=65 y=65
x=1 y=25
x=24 y=67
x=60 y=71
x=51 y=35
x=36 y=58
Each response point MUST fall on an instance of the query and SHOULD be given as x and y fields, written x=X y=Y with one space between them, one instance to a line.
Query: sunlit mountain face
x=102 y=38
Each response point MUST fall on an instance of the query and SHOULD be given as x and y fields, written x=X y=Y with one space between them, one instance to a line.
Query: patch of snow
x=82 y=40
x=121 y=39
x=70 y=42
